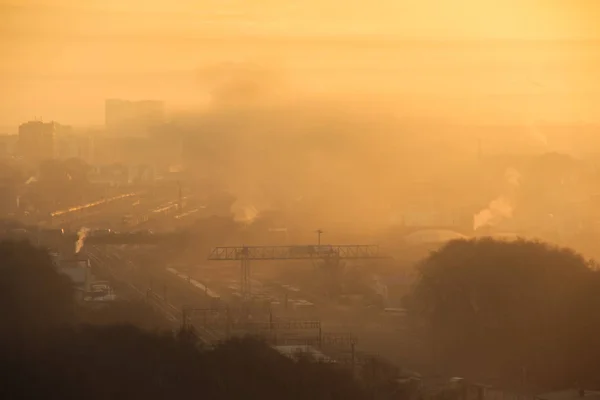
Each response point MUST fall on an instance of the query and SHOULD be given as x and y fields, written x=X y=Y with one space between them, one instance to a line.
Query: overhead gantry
x=331 y=254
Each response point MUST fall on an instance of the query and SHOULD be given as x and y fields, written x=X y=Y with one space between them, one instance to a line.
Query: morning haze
x=100 y=50
x=317 y=199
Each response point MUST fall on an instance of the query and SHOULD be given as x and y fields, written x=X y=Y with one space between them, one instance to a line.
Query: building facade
x=36 y=140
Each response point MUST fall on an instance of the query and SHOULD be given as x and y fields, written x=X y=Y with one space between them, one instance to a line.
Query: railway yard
x=279 y=298
x=279 y=310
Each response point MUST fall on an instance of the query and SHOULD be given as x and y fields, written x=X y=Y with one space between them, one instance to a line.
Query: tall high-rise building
x=36 y=140
x=133 y=118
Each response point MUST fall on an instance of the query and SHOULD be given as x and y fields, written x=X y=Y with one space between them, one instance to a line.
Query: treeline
x=519 y=313
x=522 y=314
x=124 y=362
x=50 y=348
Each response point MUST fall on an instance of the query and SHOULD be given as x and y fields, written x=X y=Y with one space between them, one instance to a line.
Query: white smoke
x=244 y=213
x=512 y=177
x=81 y=235
x=498 y=209
x=502 y=207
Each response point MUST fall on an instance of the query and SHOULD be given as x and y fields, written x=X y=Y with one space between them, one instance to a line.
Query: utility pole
x=319 y=232
x=246 y=287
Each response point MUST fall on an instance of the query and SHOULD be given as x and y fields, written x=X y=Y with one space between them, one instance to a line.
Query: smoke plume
x=244 y=213
x=81 y=235
x=502 y=207
x=513 y=178
x=235 y=83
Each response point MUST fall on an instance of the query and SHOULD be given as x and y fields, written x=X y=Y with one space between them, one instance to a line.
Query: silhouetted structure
x=331 y=254
x=36 y=140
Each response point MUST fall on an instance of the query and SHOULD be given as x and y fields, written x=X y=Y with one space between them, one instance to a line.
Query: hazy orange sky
x=61 y=58
x=412 y=18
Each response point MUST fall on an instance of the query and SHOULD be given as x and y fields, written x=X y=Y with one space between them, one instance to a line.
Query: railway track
x=170 y=302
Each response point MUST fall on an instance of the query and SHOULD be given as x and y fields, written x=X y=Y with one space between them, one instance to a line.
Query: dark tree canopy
x=34 y=297
x=125 y=312
x=122 y=362
x=499 y=308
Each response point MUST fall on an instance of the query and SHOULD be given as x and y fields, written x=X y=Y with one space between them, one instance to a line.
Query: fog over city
x=318 y=199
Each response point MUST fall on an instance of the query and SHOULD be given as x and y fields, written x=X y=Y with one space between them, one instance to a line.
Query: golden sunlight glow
x=92 y=49
x=411 y=18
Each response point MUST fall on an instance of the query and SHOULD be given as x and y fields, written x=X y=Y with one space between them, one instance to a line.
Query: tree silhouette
x=501 y=308
x=34 y=297
x=125 y=312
